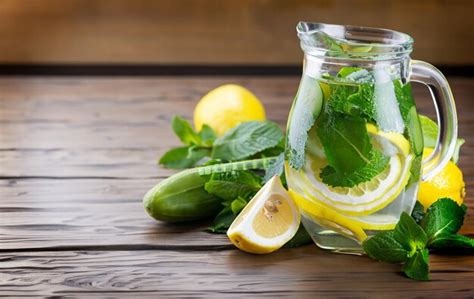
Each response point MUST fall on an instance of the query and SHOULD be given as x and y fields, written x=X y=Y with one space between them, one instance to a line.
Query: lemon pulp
x=268 y=221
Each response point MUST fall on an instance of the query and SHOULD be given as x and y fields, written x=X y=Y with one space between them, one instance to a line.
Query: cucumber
x=182 y=196
x=414 y=131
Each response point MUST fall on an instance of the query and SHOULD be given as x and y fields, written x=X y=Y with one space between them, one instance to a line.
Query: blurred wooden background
x=212 y=32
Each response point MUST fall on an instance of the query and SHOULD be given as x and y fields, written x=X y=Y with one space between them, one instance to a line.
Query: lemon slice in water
x=345 y=225
x=364 y=198
x=391 y=143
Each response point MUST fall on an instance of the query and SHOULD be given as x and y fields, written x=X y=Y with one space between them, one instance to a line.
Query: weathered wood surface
x=302 y=273
x=77 y=155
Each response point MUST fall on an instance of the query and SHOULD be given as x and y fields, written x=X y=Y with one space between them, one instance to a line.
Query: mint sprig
x=197 y=145
x=250 y=139
x=410 y=242
x=247 y=139
x=377 y=163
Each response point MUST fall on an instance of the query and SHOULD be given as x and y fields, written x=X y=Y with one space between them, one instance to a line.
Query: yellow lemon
x=227 y=106
x=268 y=221
x=447 y=183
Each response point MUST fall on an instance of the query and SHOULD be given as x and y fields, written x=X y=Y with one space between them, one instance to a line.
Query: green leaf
x=222 y=221
x=443 y=217
x=418 y=212
x=384 y=247
x=207 y=136
x=183 y=157
x=415 y=170
x=378 y=162
x=409 y=234
x=234 y=184
x=304 y=112
x=356 y=101
x=410 y=116
x=430 y=131
x=404 y=98
x=182 y=128
x=417 y=267
x=345 y=141
x=246 y=140
x=457 y=148
x=299 y=239
x=430 y=136
x=275 y=168
x=237 y=205
x=451 y=241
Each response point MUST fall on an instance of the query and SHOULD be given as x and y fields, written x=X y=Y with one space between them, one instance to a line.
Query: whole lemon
x=227 y=106
x=446 y=183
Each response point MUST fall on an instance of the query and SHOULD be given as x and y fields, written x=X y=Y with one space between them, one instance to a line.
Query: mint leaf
x=410 y=116
x=222 y=221
x=418 y=212
x=234 y=184
x=207 y=136
x=417 y=267
x=246 y=140
x=443 y=217
x=183 y=157
x=182 y=128
x=457 y=148
x=409 y=234
x=306 y=109
x=237 y=205
x=377 y=163
x=430 y=131
x=345 y=141
x=299 y=239
x=404 y=98
x=415 y=170
x=430 y=135
x=452 y=241
x=384 y=247
x=356 y=101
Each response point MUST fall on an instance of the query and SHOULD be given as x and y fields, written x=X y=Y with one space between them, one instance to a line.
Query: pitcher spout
x=319 y=39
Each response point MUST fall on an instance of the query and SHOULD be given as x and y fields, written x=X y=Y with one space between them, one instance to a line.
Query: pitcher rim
x=383 y=43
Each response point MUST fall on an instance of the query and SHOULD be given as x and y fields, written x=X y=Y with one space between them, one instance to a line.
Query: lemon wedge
x=268 y=221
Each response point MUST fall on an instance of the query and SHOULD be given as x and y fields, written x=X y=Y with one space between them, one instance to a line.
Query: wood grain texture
x=300 y=273
x=77 y=155
x=216 y=32
x=89 y=213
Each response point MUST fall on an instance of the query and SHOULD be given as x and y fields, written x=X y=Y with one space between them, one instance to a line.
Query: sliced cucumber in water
x=414 y=131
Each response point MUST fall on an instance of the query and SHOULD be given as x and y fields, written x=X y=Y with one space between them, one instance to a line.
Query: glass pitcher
x=353 y=159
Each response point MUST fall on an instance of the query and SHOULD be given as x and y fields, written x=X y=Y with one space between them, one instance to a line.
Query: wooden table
x=78 y=153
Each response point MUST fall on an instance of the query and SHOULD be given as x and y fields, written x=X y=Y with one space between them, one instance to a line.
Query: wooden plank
x=300 y=273
x=215 y=32
x=114 y=163
x=92 y=213
x=129 y=113
x=112 y=113
x=89 y=213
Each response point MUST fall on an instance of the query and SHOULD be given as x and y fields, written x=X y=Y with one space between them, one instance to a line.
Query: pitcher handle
x=445 y=107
